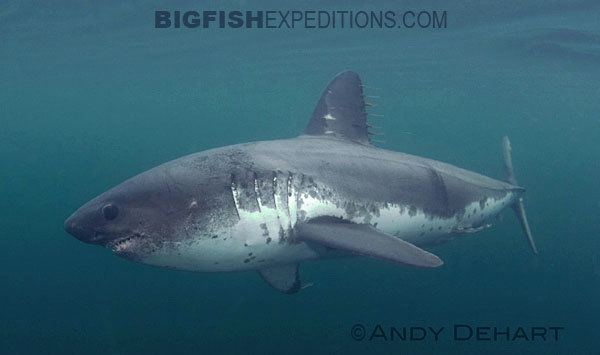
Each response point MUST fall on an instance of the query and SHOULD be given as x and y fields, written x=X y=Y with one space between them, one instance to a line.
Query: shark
x=270 y=205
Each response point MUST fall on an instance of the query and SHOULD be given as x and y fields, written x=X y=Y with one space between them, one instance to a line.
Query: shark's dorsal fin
x=340 y=111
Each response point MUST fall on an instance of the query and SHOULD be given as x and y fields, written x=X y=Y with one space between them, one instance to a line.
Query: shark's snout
x=73 y=228
x=75 y=225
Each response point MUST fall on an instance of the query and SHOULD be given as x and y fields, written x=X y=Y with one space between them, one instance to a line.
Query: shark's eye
x=110 y=211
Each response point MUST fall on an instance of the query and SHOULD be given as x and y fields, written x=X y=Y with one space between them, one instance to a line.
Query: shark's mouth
x=125 y=244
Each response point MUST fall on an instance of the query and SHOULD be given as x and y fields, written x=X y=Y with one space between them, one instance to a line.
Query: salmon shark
x=270 y=205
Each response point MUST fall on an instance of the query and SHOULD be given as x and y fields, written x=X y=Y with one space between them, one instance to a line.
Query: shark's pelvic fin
x=340 y=111
x=363 y=239
x=284 y=278
x=518 y=206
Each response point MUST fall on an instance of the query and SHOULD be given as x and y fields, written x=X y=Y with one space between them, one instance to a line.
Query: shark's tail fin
x=517 y=206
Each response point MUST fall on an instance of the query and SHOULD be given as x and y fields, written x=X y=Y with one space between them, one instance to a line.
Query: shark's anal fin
x=340 y=111
x=363 y=239
x=284 y=278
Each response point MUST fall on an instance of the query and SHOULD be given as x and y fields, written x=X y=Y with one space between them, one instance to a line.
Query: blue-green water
x=91 y=94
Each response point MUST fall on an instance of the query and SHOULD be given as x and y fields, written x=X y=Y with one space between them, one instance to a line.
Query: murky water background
x=91 y=93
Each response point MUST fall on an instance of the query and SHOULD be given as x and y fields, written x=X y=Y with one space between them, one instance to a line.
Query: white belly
x=261 y=238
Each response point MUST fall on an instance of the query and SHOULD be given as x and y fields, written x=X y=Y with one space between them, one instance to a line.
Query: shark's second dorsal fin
x=341 y=110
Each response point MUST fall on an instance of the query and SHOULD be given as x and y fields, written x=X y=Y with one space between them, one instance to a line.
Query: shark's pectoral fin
x=366 y=240
x=284 y=278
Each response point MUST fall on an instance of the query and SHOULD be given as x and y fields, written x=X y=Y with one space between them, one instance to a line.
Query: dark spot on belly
x=440 y=228
x=374 y=210
x=263 y=226
x=214 y=236
x=351 y=210
x=281 y=234
x=245 y=244
x=249 y=254
x=269 y=240
x=412 y=211
x=302 y=215
x=482 y=202
x=246 y=261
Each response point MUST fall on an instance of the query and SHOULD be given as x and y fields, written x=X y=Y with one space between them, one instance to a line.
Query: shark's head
x=134 y=218
x=147 y=217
